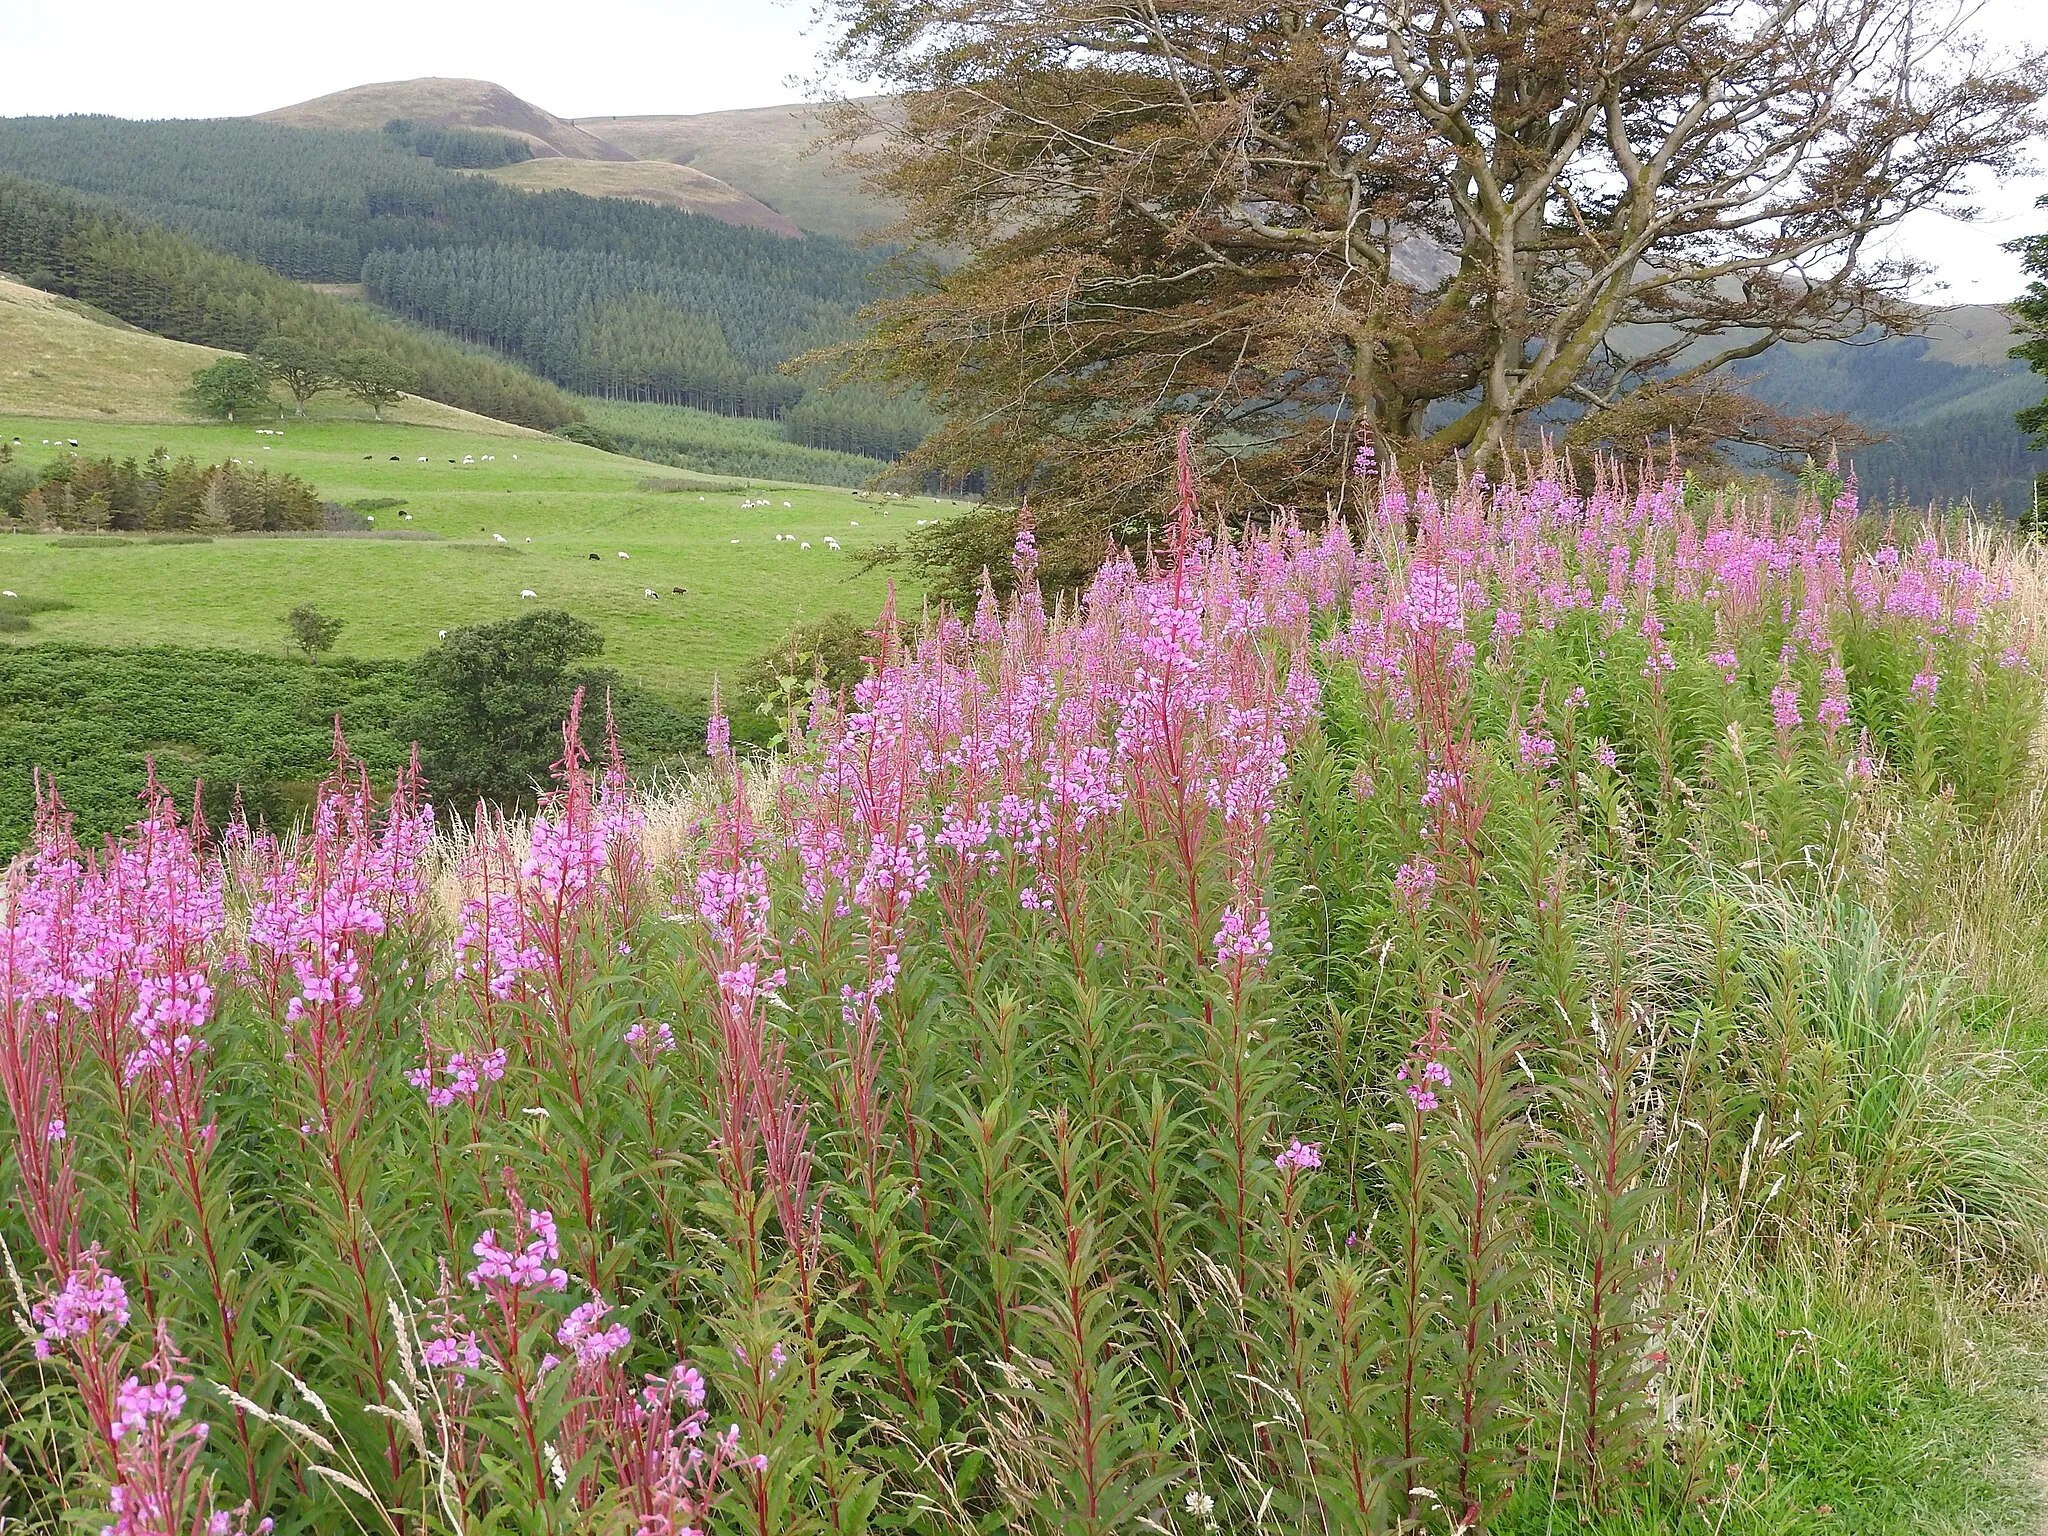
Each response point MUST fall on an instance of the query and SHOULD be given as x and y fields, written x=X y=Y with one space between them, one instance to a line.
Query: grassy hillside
x=174 y=286
x=612 y=295
x=553 y=504
x=649 y=181
x=447 y=102
x=63 y=358
x=770 y=152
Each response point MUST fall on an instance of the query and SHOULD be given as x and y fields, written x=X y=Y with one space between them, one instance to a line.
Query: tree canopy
x=303 y=370
x=1285 y=227
x=230 y=385
x=2030 y=311
x=495 y=695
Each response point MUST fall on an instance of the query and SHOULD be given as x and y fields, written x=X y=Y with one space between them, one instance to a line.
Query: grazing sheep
x=499 y=537
x=650 y=591
x=593 y=554
x=624 y=556
x=805 y=545
x=679 y=590
x=528 y=592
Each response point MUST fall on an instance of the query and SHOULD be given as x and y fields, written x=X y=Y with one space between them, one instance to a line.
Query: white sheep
x=528 y=592
x=805 y=545
x=624 y=556
x=499 y=537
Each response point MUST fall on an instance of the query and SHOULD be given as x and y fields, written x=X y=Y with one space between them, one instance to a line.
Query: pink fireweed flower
x=466 y=1077
x=534 y=1266
x=1423 y=1082
x=1239 y=942
x=1434 y=599
x=138 y=1403
x=1925 y=682
x=90 y=1300
x=1604 y=755
x=1833 y=709
x=455 y=1349
x=581 y=1334
x=1785 y=707
x=1414 y=884
x=1727 y=661
x=1538 y=751
x=1299 y=1156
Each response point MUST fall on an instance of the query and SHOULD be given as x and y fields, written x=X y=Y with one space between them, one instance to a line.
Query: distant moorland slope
x=1944 y=401
x=564 y=155
x=448 y=103
x=774 y=153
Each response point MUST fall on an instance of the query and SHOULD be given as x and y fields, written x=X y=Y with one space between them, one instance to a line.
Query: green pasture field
x=553 y=503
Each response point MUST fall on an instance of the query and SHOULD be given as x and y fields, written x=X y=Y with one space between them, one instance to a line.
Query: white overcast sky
x=594 y=58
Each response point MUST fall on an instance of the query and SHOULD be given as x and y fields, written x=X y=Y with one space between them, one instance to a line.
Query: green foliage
x=590 y=435
x=172 y=285
x=241 y=724
x=374 y=379
x=832 y=652
x=304 y=371
x=312 y=631
x=606 y=296
x=469 y=149
x=495 y=695
x=77 y=494
x=2030 y=310
x=230 y=385
x=724 y=445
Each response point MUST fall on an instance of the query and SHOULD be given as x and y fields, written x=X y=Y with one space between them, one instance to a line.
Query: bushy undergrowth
x=1350 y=1033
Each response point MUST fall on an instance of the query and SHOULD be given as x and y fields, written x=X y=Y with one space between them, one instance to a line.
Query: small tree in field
x=303 y=370
x=230 y=385
x=375 y=379
x=489 y=724
x=312 y=631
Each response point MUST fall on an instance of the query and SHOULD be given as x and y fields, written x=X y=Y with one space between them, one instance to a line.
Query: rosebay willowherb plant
x=1182 y=1061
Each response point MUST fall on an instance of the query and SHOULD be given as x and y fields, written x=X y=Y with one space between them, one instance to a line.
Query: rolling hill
x=648 y=181
x=564 y=155
x=448 y=103
x=771 y=153
x=60 y=357
x=1944 y=400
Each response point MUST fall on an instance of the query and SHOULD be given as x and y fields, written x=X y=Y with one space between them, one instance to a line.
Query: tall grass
x=1355 y=1031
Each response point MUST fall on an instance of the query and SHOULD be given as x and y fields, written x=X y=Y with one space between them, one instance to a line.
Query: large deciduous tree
x=1288 y=225
x=303 y=370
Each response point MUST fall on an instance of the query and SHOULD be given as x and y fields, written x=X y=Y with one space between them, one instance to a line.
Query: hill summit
x=449 y=103
x=564 y=155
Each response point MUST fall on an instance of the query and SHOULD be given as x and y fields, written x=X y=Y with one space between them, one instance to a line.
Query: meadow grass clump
x=1381 y=1029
